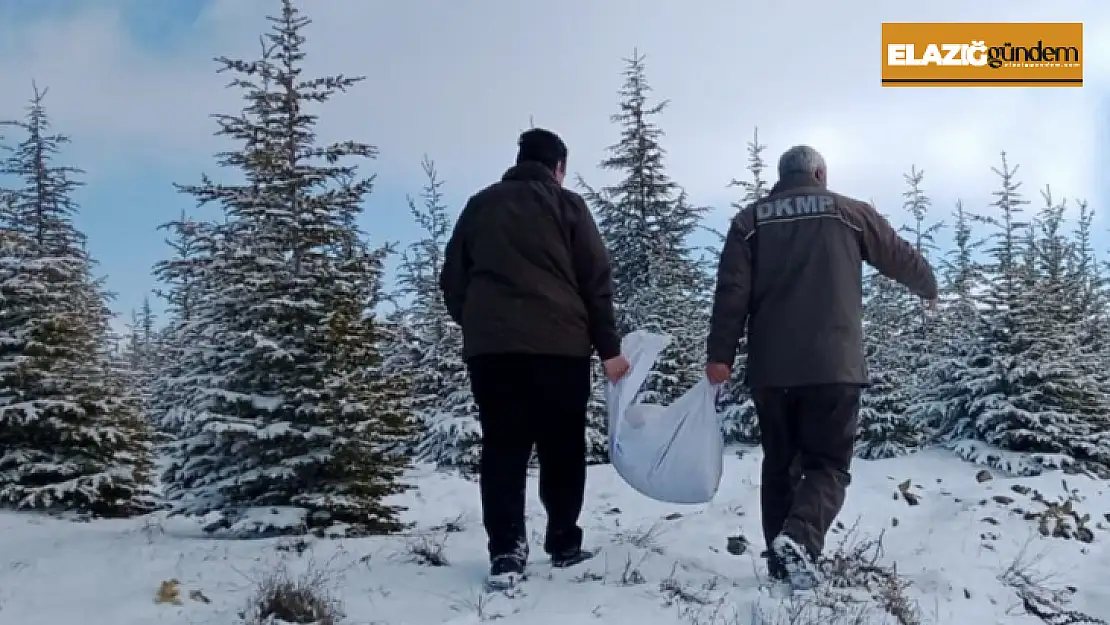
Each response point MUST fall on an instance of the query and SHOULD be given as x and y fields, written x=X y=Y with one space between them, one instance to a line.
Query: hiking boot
x=505 y=572
x=800 y=568
x=571 y=557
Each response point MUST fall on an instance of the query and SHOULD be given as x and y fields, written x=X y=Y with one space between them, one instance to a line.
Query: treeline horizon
x=898 y=215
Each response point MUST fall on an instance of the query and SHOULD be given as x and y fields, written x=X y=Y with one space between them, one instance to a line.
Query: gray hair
x=801 y=159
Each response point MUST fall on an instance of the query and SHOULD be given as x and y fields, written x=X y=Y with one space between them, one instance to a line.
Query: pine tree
x=442 y=401
x=646 y=221
x=180 y=353
x=918 y=327
x=141 y=357
x=129 y=405
x=1070 y=393
x=1001 y=301
x=947 y=382
x=1085 y=269
x=738 y=418
x=72 y=436
x=757 y=187
x=368 y=407
x=883 y=403
x=294 y=425
x=1090 y=303
x=899 y=341
x=1029 y=395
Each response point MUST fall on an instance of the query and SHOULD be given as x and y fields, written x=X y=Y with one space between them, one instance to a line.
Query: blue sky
x=133 y=82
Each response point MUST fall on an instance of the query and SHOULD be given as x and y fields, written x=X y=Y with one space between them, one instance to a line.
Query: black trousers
x=808 y=436
x=531 y=401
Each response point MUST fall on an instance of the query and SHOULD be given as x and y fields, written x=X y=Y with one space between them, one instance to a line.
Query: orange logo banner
x=1018 y=54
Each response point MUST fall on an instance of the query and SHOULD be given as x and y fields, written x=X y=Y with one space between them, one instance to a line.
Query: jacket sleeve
x=454 y=277
x=595 y=280
x=731 y=297
x=893 y=256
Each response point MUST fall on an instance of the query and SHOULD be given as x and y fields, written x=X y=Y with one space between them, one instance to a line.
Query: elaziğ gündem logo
x=994 y=54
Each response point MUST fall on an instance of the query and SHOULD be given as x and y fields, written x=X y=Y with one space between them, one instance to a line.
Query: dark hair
x=541 y=146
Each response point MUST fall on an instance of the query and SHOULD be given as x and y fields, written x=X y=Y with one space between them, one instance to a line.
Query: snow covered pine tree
x=738 y=419
x=181 y=277
x=1089 y=308
x=898 y=342
x=294 y=425
x=141 y=355
x=72 y=436
x=646 y=221
x=1026 y=388
x=944 y=391
x=448 y=417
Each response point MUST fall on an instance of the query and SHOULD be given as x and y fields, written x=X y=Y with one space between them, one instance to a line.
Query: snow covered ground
x=956 y=547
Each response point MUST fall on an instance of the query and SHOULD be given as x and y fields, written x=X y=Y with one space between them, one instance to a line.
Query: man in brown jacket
x=791 y=270
x=527 y=276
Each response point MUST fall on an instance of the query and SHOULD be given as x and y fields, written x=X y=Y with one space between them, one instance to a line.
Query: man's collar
x=796 y=181
x=529 y=170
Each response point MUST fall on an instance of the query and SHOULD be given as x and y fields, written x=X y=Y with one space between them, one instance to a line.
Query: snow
x=659 y=563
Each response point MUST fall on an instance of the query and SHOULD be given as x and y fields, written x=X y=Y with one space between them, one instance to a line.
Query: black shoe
x=505 y=572
x=571 y=557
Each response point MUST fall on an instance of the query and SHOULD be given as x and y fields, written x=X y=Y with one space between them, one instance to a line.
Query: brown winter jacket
x=526 y=271
x=791 y=269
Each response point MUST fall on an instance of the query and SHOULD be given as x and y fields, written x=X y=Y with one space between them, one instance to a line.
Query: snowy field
x=967 y=546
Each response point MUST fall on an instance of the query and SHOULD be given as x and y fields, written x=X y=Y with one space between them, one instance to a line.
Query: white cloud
x=459 y=80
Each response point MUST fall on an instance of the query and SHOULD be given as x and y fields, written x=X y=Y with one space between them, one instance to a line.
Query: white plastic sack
x=675 y=453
